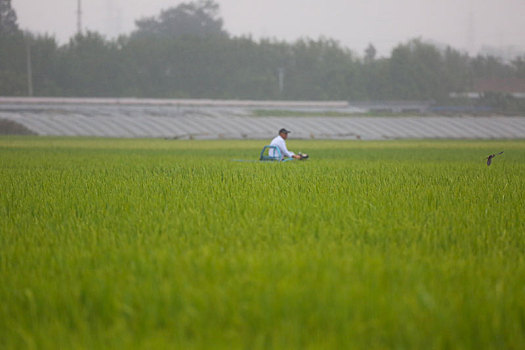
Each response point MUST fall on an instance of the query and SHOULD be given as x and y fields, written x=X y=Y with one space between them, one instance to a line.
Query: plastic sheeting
x=230 y=121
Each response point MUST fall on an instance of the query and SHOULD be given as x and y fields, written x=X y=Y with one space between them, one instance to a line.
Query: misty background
x=474 y=26
x=378 y=51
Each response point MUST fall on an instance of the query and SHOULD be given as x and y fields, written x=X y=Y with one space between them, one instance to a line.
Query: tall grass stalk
x=170 y=244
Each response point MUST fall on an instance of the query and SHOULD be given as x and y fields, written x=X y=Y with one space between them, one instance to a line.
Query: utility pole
x=79 y=17
x=471 y=34
x=280 y=72
x=29 y=66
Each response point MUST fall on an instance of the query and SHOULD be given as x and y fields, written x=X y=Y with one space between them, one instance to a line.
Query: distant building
x=510 y=86
x=506 y=53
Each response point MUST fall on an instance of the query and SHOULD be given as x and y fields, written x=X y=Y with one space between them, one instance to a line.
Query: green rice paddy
x=156 y=244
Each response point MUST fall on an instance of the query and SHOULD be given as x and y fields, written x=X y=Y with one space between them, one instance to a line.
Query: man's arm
x=285 y=152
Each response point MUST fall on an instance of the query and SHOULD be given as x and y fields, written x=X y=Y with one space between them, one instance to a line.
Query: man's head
x=284 y=133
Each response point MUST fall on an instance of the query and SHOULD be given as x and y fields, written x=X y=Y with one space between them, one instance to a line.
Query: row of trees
x=185 y=53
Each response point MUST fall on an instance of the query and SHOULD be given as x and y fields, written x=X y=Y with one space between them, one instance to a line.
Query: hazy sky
x=463 y=24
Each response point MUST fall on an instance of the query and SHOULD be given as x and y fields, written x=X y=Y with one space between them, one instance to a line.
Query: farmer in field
x=280 y=141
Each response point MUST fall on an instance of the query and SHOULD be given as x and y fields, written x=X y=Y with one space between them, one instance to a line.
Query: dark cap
x=284 y=131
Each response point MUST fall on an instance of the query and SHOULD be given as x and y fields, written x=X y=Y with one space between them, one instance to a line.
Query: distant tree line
x=185 y=53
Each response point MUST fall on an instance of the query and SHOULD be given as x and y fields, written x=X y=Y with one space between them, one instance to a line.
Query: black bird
x=489 y=158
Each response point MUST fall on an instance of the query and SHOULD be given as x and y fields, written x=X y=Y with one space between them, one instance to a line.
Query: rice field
x=155 y=244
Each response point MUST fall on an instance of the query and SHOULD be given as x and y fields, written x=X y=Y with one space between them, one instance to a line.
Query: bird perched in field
x=489 y=158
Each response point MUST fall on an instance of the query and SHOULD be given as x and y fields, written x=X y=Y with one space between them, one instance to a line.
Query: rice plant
x=171 y=244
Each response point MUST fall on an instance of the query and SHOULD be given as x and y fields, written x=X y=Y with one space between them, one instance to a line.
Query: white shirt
x=279 y=142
